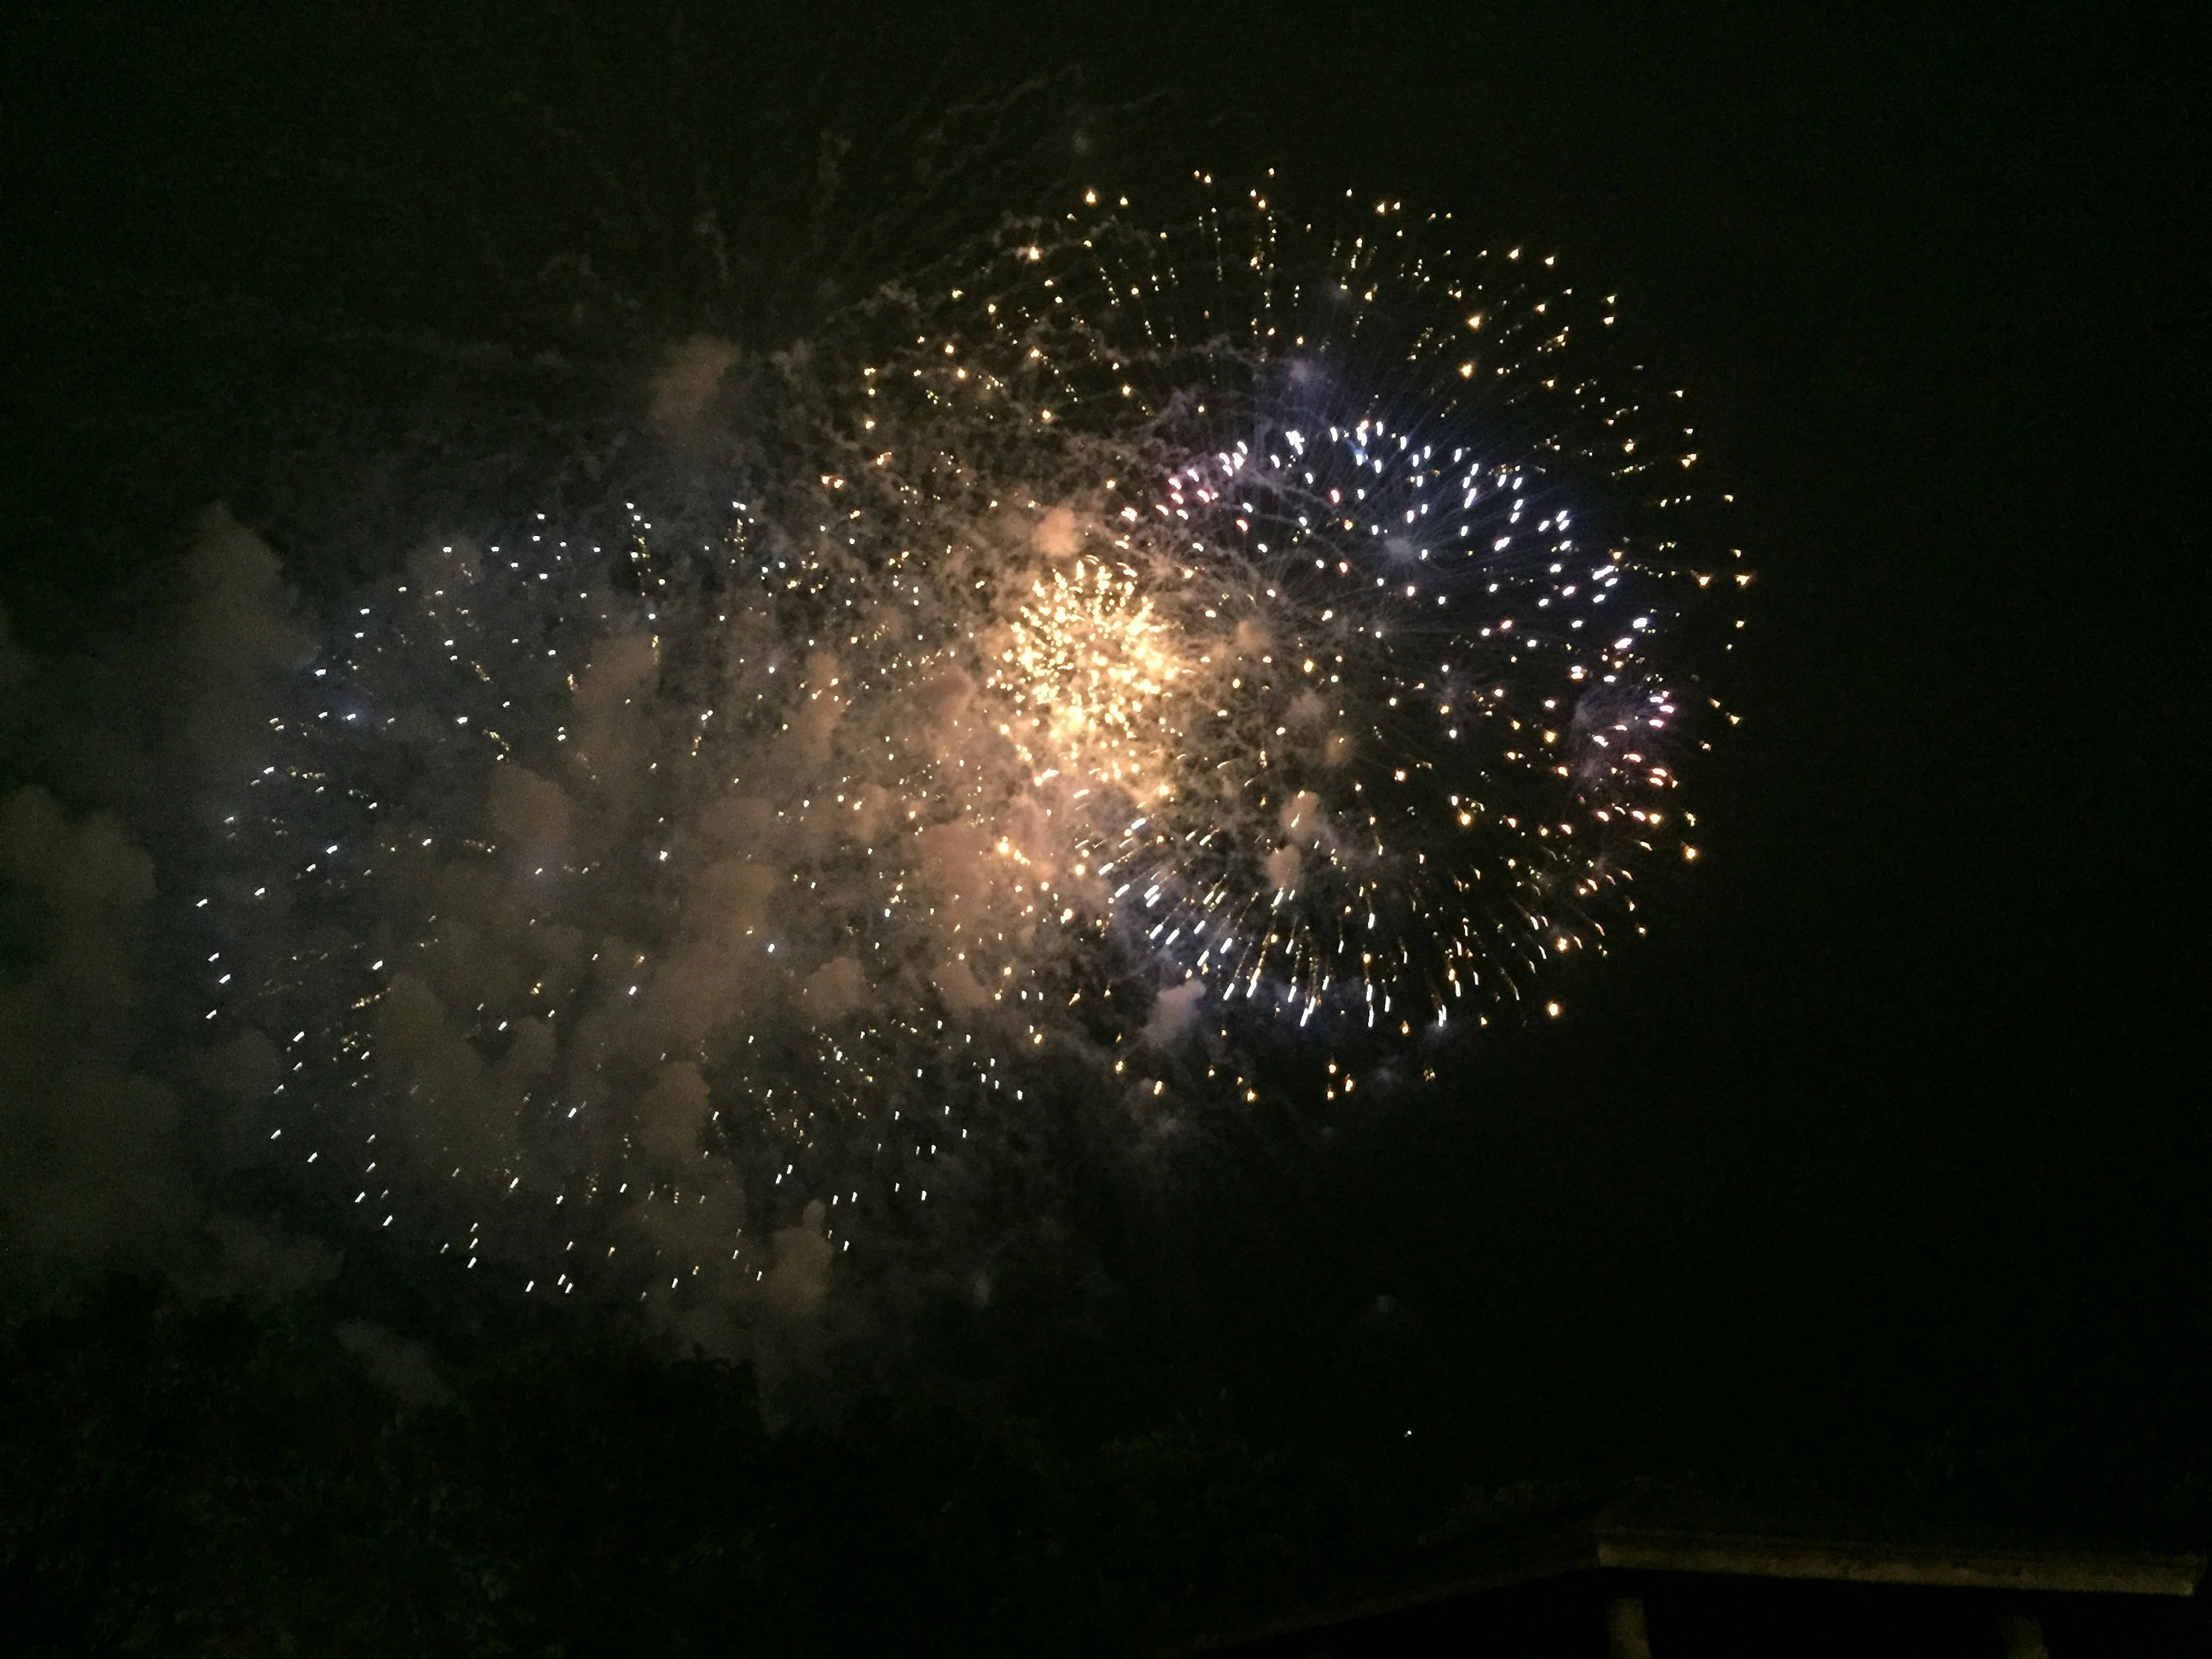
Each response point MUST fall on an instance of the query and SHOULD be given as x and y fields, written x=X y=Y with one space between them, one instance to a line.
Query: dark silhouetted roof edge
x=1636 y=1536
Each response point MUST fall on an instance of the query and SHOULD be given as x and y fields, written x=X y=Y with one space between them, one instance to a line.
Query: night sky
x=1877 y=1170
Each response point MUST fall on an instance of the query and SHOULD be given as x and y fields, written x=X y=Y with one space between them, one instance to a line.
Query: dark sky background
x=1891 y=1144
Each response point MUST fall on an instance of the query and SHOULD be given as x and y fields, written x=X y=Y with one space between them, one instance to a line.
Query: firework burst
x=1348 y=652
x=1173 y=646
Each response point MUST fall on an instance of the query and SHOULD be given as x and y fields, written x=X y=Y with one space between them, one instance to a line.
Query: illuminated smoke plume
x=1167 y=657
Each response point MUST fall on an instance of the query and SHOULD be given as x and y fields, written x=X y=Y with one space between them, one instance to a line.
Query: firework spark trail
x=1180 y=643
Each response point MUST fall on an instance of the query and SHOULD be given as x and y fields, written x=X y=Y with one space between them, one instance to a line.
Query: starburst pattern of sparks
x=1355 y=679
x=1181 y=644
